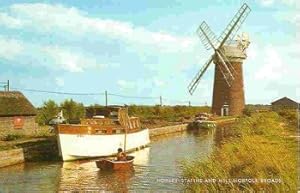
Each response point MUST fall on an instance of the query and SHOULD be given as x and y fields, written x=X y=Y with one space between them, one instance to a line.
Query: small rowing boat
x=115 y=165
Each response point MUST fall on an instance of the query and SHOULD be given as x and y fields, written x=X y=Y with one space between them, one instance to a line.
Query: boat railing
x=103 y=121
x=93 y=129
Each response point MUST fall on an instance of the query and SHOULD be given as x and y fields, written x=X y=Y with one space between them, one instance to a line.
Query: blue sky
x=142 y=48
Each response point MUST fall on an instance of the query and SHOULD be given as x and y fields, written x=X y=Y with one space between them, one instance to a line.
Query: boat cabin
x=108 y=120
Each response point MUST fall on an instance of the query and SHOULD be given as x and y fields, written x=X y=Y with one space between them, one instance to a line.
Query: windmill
x=228 y=56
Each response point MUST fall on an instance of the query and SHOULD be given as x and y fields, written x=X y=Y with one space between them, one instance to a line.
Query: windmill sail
x=194 y=83
x=227 y=76
x=230 y=66
x=234 y=25
x=227 y=69
x=207 y=36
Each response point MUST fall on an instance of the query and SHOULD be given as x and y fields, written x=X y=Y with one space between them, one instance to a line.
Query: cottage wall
x=7 y=124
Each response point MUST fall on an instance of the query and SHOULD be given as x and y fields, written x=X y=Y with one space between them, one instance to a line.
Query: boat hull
x=106 y=164
x=79 y=146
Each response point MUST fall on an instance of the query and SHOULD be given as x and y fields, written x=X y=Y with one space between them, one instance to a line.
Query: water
x=160 y=161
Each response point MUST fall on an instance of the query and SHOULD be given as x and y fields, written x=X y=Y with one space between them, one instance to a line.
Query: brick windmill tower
x=228 y=56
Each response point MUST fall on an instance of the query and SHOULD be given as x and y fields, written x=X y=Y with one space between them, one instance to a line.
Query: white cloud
x=70 y=61
x=159 y=83
x=252 y=51
x=124 y=84
x=292 y=17
x=9 y=21
x=273 y=67
x=266 y=2
x=10 y=48
x=59 y=81
x=285 y=2
x=20 y=52
x=50 y=18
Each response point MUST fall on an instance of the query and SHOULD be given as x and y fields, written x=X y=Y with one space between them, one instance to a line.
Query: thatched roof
x=14 y=103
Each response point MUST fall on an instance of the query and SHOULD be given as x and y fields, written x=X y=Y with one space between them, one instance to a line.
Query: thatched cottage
x=16 y=112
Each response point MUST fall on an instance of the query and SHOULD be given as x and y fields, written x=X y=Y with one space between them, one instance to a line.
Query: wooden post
x=7 y=85
x=189 y=103
x=160 y=100
x=126 y=125
x=125 y=139
x=106 y=102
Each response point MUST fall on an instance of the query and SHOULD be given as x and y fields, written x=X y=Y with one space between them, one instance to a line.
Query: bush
x=167 y=113
x=47 y=112
x=248 y=111
x=45 y=131
x=71 y=111
x=12 y=137
x=290 y=115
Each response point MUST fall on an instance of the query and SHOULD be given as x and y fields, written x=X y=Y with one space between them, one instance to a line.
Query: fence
x=119 y=99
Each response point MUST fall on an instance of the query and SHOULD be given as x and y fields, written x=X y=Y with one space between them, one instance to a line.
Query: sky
x=143 y=48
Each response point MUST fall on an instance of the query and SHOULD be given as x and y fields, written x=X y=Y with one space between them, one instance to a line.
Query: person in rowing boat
x=121 y=156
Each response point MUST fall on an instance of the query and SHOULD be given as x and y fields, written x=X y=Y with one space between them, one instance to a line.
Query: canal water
x=155 y=169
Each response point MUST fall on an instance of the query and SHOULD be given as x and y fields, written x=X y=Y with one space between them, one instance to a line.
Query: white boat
x=101 y=136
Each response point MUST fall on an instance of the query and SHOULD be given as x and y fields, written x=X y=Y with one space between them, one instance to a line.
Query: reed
x=256 y=147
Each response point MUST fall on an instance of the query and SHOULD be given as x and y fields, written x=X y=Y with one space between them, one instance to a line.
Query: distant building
x=284 y=103
x=16 y=112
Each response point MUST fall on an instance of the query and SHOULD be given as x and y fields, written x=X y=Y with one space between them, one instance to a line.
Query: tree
x=49 y=110
x=72 y=110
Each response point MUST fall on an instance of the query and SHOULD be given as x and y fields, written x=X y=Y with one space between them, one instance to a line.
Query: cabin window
x=116 y=131
x=100 y=131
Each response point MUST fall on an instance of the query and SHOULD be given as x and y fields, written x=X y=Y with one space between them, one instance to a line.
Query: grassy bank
x=13 y=138
x=255 y=147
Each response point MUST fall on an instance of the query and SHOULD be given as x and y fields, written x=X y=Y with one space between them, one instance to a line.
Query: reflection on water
x=161 y=160
x=30 y=177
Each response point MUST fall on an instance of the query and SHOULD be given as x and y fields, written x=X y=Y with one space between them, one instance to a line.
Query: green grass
x=256 y=147
x=12 y=137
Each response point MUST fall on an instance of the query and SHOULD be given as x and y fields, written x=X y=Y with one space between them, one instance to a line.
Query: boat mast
x=125 y=120
x=125 y=139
